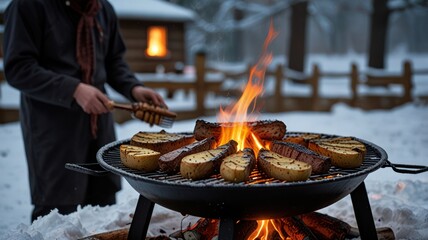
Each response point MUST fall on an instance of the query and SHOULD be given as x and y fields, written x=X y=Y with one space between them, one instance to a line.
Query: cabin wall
x=134 y=33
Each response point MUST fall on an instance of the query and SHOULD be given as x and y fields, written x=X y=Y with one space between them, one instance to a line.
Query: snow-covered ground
x=399 y=201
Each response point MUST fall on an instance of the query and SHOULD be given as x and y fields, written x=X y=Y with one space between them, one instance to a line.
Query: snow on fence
x=287 y=89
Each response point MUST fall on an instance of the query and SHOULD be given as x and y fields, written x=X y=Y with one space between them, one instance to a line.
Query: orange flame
x=264 y=228
x=238 y=113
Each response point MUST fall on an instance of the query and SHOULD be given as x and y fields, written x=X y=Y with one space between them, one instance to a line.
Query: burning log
x=296 y=229
x=310 y=226
x=325 y=227
x=268 y=130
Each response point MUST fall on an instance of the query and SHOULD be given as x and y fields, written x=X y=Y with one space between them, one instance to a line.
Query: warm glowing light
x=244 y=109
x=265 y=229
x=156 y=42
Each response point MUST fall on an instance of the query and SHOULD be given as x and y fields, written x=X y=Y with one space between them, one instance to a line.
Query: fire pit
x=259 y=198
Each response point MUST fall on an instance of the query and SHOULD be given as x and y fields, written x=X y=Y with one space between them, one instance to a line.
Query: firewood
x=383 y=233
x=268 y=130
x=325 y=226
x=158 y=238
x=296 y=229
x=204 y=228
x=119 y=234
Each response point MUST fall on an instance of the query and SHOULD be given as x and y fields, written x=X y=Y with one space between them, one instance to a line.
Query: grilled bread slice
x=302 y=139
x=203 y=164
x=139 y=158
x=283 y=168
x=170 y=162
x=238 y=166
x=162 y=141
x=320 y=163
x=345 y=152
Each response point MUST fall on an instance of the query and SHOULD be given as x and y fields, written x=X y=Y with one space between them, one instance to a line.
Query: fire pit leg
x=226 y=229
x=141 y=220
x=363 y=213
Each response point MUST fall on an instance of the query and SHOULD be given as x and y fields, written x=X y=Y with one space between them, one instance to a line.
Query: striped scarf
x=85 y=43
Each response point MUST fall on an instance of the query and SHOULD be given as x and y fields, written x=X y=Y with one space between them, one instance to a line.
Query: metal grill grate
x=109 y=158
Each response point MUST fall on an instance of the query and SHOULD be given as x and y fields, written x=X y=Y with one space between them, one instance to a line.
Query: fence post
x=315 y=86
x=354 y=84
x=200 y=82
x=407 y=78
x=279 y=76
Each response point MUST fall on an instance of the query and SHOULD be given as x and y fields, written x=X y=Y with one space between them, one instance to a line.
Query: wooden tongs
x=148 y=113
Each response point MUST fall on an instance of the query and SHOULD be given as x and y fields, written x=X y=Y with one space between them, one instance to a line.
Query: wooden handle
x=159 y=110
x=139 y=106
x=112 y=105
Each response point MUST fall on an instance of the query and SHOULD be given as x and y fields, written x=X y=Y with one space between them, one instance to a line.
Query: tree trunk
x=297 y=47
x=378 y=33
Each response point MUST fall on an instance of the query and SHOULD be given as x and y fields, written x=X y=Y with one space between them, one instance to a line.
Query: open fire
x=238 y=112
x=192 y=166
x=310 y=226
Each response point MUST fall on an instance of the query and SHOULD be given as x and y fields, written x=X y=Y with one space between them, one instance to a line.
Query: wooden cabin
x=153 y=31
x=154 y=34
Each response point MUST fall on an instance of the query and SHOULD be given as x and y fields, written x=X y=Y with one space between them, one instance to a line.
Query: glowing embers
x=157 y=42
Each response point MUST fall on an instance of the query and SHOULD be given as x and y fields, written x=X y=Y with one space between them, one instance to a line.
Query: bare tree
x=382 y=9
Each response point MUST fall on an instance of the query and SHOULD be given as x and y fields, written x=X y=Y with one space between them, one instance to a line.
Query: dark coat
x=40 y=61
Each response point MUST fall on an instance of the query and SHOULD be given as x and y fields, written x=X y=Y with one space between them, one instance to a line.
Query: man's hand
x=91 y=99
x=143 y=94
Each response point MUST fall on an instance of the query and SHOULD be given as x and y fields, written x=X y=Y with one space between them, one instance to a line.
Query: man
x=59 y=54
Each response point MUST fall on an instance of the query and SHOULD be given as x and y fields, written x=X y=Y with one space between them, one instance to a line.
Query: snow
x=143 y=9
x=151 y=9
x=398 y=201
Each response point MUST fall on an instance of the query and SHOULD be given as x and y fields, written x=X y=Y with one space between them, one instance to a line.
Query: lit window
x=156 y=42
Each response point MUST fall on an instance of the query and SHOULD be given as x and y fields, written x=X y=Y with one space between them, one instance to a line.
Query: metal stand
x=226 y=229
x=141 y=220
x=363 y=213
x=359 y=197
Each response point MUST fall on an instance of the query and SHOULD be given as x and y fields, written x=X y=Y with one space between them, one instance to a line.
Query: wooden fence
x=283 y=101
x=356 y=79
